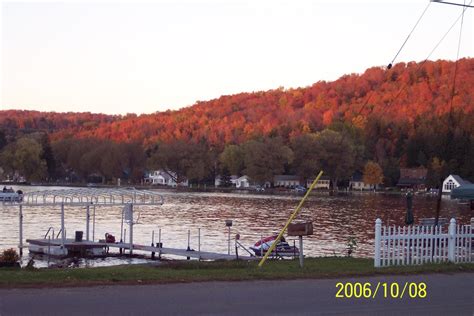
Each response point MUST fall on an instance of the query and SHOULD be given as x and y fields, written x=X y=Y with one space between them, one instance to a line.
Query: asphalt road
x=447 y=294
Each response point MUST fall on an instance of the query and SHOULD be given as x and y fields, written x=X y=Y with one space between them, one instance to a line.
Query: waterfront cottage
x=413 y=178
x=357 y=183
x=453 y=181
x=218 y=180
x=160 y=177
x=286 y=181
x=242 y=182
x=323 y=183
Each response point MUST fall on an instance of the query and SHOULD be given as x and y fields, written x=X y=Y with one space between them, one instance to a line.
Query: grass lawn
x=193 y=271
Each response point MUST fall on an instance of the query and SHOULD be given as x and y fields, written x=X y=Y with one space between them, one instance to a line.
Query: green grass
x=193 y=271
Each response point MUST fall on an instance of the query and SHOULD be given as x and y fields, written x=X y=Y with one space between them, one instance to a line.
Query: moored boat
x=9 y=195
x=282 y=249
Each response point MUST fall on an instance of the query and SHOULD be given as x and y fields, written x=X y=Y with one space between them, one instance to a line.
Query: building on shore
x=413 y=178
x=453 y=181
x=287 y=181
x=161 y=177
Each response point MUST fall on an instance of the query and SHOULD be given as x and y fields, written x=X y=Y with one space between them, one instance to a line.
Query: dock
x=58 y=245
x=54 y=248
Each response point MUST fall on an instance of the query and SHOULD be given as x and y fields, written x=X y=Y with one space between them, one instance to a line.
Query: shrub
x=9 y=256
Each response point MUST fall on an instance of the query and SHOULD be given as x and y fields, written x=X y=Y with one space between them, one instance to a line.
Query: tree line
x=339 y=150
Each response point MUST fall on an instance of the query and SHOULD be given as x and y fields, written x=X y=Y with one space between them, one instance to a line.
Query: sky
x=143 y=57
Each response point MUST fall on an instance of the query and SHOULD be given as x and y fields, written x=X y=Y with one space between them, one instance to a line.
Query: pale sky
x=127 y=57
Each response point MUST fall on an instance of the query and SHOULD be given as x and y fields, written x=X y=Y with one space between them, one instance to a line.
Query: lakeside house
x=233 y=180
x=357 y=183
x=242 y=182
x=413 y=178
x=286 y=181
x=323 y=183
x=161 y=177
x=453 y=181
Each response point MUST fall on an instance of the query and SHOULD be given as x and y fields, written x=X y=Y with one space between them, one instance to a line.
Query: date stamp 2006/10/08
x=368 y=290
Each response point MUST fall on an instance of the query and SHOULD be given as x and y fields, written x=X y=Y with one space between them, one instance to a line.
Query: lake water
x=335 y=219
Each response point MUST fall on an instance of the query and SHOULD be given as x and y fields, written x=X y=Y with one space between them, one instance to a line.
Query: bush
x=9 y=256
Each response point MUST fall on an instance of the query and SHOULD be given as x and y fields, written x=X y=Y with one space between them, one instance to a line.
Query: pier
x=89 y=198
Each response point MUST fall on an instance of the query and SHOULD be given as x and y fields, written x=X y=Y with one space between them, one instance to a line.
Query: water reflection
x=335 y=219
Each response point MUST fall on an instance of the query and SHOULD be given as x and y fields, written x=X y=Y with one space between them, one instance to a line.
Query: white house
x=242 y=182
x=218 y=180
x=323 y=183
x=286 y=181
x=160 y=177
x=453 y=181
x=357 y=183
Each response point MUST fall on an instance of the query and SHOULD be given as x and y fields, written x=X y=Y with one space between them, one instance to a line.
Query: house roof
x=322 y=178
x=413 y=173
x=284 y=177
x=460 y=180
x=410 y=181
x=465 y=192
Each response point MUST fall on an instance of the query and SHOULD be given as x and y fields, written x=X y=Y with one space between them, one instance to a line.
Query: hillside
x=402 y=94
x=402 y=117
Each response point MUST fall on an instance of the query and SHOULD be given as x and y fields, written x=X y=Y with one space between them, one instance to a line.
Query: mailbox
x=300 y=229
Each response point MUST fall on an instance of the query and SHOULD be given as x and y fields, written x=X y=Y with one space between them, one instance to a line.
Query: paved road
x=447 y=295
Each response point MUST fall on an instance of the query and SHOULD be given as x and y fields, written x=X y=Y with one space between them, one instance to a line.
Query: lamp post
x=228 y=223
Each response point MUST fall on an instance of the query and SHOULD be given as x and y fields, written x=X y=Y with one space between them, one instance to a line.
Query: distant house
x=160 y=177
x=357 y=182
x=453 y=181
x=286 y=181
x=323 y=183
x=218 y=180
x=413 y=178
x=242 y=182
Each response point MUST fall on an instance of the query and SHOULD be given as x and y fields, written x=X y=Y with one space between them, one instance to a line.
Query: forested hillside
x=405 y=116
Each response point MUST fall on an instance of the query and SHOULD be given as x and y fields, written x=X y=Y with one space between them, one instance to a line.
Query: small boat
x=9 y=195
x=282 y=249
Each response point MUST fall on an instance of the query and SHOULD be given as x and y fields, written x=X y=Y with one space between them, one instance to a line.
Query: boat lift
x=87 y=197
x=128 y=198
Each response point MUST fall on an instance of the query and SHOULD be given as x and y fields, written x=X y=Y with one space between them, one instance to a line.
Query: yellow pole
x=292 y=217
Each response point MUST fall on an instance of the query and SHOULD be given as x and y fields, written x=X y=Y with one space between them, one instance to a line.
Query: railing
x=412 y=245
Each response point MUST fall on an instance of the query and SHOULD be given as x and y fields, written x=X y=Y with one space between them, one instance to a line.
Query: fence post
x=451 y=239
x=378 y=235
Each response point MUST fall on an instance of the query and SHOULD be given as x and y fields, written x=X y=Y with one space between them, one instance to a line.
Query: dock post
x=160 y=245
x=20 y=218
x=63 y=232
x=189 y=248
x=131 y=229
x=49 y=248
x=88 y=216
x=93 y=223
x=199 y=244
x=153 y=243
x=301 y=251
x=122 y=235
x=228 y=241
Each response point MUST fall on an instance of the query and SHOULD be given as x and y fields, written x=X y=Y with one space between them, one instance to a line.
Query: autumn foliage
x=399 y=113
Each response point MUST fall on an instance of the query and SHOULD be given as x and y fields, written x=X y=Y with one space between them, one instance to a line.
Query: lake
x=335 y=219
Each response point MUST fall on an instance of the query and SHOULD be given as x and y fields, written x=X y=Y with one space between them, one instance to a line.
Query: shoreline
x=212 y=189
x=191 y=271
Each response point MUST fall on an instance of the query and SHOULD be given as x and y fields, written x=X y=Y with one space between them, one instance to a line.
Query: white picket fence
x=412 y=245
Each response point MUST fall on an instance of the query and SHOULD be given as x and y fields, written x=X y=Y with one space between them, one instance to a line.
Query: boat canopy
x=91 y=196
x=464 y=192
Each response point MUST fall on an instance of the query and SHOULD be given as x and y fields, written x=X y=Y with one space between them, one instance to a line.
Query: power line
x=409 y=34
x=452 y=3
